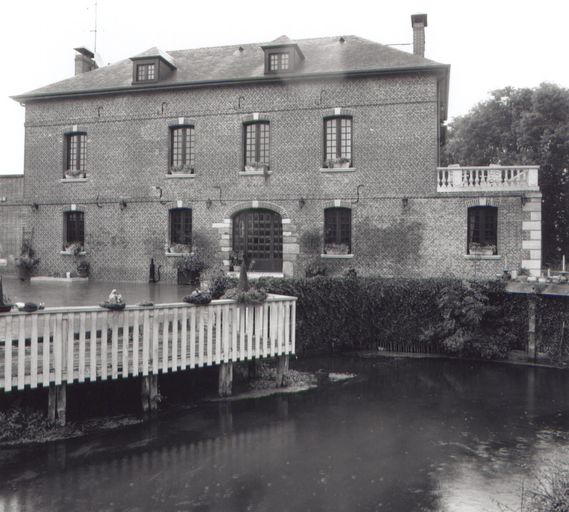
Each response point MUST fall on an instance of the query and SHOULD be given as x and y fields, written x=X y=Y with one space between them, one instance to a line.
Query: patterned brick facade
x=400 y=225
x=13 y=219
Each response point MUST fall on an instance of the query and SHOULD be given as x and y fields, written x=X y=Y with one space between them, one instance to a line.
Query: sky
x=489 y=44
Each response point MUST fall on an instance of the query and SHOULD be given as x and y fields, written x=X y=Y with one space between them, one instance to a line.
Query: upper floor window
x=182 y=149
x=145 y=72
x=338 y=142
x=256 y=150
x=482 y=230
x=337 y=231
x=278 y=61
x=74 y=229
x=180 y=230
x=75 y=154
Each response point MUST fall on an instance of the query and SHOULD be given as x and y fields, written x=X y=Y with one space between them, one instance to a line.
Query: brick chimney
x=419 y=22
x=84 y=60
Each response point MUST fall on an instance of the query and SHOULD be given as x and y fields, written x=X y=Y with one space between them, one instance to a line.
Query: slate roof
x=223 y=64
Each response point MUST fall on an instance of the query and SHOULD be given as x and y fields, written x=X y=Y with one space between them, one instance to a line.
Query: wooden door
x=259 y=233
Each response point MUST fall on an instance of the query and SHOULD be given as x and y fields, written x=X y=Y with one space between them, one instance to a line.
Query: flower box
x=336 y=249
x=181 y=169
x=72 y=175
x=476 y=249
x=256 y=167
x=338 y=163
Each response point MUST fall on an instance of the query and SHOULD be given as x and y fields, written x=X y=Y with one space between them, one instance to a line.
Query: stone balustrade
x=455 y=178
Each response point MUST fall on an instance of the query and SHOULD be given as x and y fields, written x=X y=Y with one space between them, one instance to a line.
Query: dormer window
x=152 y=65
x=145 y=72
x=282 y=56
x=278 y=61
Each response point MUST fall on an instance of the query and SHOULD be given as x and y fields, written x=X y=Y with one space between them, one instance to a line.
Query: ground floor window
x=482 y=230
x=337 y=231
x=74 y=229
x=181 y=230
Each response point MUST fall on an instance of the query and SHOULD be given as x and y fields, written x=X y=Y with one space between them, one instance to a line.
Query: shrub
x=443 y=315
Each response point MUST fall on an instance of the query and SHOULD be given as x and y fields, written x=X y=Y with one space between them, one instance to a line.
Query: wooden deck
x=68 y=345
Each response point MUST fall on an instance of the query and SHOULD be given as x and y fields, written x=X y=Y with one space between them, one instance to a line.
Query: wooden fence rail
x=67 y=345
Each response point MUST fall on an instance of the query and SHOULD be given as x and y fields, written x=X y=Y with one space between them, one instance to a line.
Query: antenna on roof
x=95 y=30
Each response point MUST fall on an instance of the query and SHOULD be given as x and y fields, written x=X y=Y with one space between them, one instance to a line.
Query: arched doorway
x=259 y=233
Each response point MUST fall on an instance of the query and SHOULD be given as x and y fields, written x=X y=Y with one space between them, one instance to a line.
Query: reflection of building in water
x=85 y=479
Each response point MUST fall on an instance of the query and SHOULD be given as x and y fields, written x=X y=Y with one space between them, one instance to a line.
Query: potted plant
x=338 y=163
x=74 y=248
x=235 y=259
x=337 y=249
x=5 y=304
x=115 y=302
x=181 y=169
x=477 y=249
x=27 y=262
x=74 y=173
x=256 y=166
x=198 y=297
x=189 y=268
x=83 y=268
x=180 y=249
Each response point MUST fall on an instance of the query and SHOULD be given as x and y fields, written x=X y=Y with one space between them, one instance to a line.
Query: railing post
x=57 y=404
x=532 y=177
x=282 y=371
x=149 y=394
x=225 y=379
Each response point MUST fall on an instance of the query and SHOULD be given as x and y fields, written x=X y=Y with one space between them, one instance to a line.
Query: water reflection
x=90 y=293
x=405 y=435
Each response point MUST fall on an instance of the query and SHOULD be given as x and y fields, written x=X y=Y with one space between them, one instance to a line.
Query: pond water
x=404 y=435
x=90 y=293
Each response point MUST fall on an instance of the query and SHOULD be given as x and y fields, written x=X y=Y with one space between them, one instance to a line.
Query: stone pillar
x=57 y=404
x=531 y=233
x=225 y=379
x=282 y=371
x=149 y=394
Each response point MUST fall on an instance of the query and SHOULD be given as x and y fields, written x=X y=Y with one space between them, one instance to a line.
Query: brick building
x=299 y=152
x=13 y=219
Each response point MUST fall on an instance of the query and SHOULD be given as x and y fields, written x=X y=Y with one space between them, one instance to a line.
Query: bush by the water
x=470 y=319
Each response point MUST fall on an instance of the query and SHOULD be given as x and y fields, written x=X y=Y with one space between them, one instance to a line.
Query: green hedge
x=470 y=319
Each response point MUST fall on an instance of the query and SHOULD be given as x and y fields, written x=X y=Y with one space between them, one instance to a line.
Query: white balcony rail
x=58 y=345
x=492 y=178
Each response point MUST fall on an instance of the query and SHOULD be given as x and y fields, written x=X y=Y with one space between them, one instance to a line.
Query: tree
x=523 y=126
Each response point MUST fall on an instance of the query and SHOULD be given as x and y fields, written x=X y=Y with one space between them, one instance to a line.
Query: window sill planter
x=180 y=175
x=336 y=256
x=176 y=254
x=71 y=179
x=71 y=253
x=256 y=167
x=339 y=163
x=482 y=257
x=334 y=170
x=255 y=172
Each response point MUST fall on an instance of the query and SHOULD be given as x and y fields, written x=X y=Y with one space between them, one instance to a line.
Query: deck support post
x=282 y=371
x=149 y=394
x=531 y=346
x=225 y=379
x=57 y=404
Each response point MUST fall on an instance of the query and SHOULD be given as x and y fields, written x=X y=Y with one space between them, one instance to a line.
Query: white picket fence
x=69 y=345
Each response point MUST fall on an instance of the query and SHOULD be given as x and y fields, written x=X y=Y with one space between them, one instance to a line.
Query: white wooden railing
x=69 y=345
x=492 y=178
